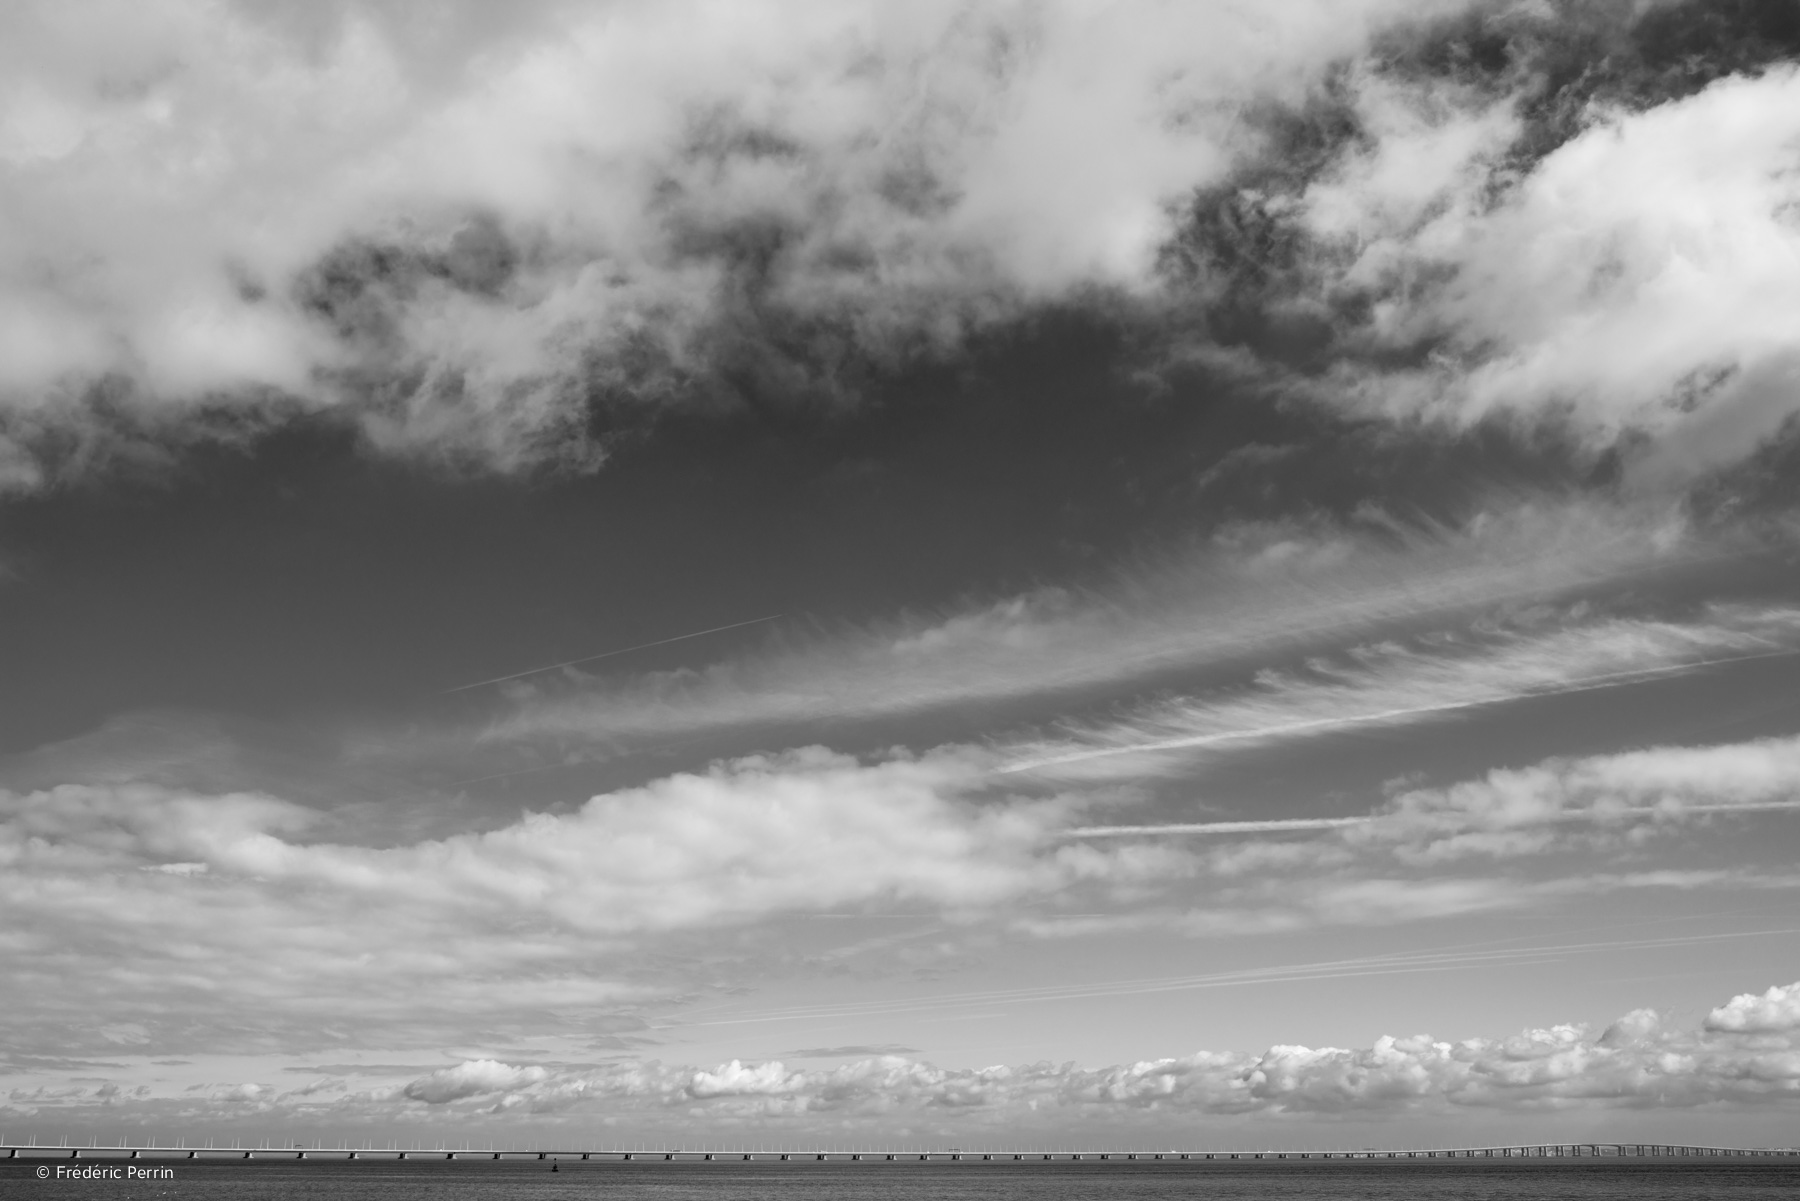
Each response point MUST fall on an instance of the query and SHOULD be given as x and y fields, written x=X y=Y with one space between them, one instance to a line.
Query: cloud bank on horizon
x=1392 y=625
x=1741 y=1054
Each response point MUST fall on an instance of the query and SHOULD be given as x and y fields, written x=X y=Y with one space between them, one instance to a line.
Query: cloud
x=1637 y=274
x=1776 y=1011
x=1545 y=831
x=472 y=1078
x=1615 y=798
x=465 y=235
x=498 y=239
x=259 y=939
x=1252 y=592
x=560 y=904
x=1561 y=216
x=1430 y=677
x=746 y=838
x=1634 y=1063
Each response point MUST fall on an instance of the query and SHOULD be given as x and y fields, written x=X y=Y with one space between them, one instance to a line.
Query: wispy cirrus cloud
x=1252 y=594
x=1436 y=676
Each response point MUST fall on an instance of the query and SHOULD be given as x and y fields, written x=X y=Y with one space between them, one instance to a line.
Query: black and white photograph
x=900 y=599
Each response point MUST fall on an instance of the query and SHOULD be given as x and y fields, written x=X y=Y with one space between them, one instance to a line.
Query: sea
x=1439 y=1180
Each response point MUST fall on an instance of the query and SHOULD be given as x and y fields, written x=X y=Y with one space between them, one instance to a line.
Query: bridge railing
x=182 y=1150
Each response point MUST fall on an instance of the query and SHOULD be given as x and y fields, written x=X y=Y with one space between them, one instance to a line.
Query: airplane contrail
x=1269 y=826
x=1277 y=825
x=626 y=650
x=1450 y=958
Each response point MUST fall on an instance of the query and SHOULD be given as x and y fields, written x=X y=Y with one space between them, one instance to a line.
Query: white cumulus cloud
x=1775 y=1011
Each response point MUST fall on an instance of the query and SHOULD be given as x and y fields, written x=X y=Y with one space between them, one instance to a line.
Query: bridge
x=1534 y=1151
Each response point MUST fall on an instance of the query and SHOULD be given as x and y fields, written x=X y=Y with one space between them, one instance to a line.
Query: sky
x=1200 y=575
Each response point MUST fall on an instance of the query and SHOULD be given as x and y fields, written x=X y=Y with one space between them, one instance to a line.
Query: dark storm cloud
x=501 y=243
x=528 y=258
x=1481 y=221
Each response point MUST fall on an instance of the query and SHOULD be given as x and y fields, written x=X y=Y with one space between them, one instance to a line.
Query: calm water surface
x=477 y=1181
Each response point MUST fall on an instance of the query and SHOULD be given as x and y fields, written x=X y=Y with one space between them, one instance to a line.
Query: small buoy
x=554 y=1168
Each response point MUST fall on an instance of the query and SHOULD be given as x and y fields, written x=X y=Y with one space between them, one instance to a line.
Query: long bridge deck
x=1581 y=1150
